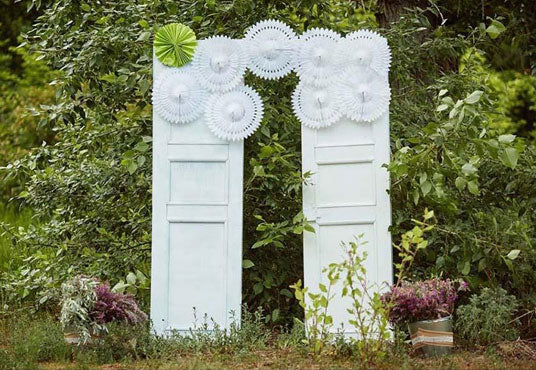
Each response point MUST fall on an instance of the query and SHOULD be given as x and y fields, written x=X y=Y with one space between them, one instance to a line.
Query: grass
x=36 y=342
x=11 y=217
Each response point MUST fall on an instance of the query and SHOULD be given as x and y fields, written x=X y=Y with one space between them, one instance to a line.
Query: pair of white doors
x=197 y=215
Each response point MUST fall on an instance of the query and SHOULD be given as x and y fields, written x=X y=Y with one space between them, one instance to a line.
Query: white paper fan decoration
x=236 y=114
x=363 y=94
x=315 y=107
x=219 y=63
x=315 y=58
x=269 y=48
x=366 y=49
x=177 y=95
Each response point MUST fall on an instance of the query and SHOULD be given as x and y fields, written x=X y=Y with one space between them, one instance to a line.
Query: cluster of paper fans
x=338 y=76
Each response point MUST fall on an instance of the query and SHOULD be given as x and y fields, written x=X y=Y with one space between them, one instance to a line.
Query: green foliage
x=488 y=318
x=368 y=314
x=448 y=157
x=31 y=340
x=516 y=104
x=318 y=322
x=21 y=129
x=77 y=299
x=412 y=241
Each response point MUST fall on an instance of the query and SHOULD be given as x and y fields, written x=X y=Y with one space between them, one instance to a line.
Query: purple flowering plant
x=111 y=306
x=422 y=300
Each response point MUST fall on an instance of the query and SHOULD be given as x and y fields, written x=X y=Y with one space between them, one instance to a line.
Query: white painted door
x=197 y=226
x=345 y=197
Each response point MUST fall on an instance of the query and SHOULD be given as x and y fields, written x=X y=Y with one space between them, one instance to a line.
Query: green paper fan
x=174 y=44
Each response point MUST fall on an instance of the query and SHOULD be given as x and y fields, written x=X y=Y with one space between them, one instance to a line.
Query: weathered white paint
x=197 y=225
x=346 y=196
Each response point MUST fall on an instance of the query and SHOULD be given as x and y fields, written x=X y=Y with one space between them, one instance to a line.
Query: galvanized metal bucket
x=433 y=337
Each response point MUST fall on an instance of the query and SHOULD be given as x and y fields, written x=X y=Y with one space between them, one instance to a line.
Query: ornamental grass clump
x=423 y=300
x=111 y=306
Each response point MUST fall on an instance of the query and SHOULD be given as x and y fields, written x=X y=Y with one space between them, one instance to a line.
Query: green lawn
x=36 y=342
x=292 y=359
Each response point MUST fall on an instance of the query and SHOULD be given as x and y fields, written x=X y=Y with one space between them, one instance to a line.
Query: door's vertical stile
x=311 y=255
x=383 y=213
x=160 y=230
x=234 y=227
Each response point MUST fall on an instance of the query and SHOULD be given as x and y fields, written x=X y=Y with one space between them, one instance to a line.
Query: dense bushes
x=91 y=189
x=488 y=318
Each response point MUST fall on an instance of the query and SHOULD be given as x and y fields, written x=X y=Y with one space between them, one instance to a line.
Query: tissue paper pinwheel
x=174 y=44
x=178 y=97
x=236 y=114
x=363 y=94
x=270 y=49
x=219 y=63
x=315 y=107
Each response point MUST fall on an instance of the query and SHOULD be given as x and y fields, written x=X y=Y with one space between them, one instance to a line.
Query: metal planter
x=433 y=337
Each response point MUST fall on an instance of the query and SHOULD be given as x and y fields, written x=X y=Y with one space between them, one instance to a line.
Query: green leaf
x=131 y=278
x=442 y=107
x=258 y=288
x=507 y=139
x=469 y=169
x=460 y=183
x=514 y=253
x=495 y=29
x=473 y=97
x=143 y=23
x=509 y=157
x=119 y=287
x=246 y=264
x=286 y=293
x=466 y=268
x=144 y=36
x=473 y=187
x=426 y=187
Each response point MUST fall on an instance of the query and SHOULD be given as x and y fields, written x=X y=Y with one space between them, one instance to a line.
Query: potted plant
x=87 y=305
x=426 y=307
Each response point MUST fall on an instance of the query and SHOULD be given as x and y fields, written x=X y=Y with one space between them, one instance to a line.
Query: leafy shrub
x=368 y=316
x=447 y=156
x=488 y=317
x=78 y=299
x=422 y=300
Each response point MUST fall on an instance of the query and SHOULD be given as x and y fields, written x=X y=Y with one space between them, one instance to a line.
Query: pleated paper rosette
x=363 y=94
x=178 y=97
x=219 y=63
x=365 y=48
x=316 y=107
x=315 y=56
x=269 y=45
x=236 y=114
x=174 y=44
